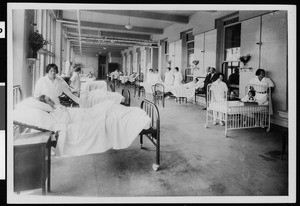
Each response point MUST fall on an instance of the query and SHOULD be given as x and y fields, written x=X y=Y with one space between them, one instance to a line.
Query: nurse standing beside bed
x=52 y=86
x=169 y=77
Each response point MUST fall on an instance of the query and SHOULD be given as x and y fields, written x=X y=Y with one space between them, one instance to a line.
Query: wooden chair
x=158 y=91
x=137 y=85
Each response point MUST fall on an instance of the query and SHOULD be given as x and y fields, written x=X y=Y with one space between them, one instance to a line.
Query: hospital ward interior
x=131 y=103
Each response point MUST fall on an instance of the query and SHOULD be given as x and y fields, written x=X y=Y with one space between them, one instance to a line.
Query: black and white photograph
x=136 y=103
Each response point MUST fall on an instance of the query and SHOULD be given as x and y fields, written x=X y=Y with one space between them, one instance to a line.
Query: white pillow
x=33 y=103
x=34 y=117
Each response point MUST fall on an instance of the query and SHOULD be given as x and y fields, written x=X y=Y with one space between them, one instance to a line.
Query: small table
x=32 y=161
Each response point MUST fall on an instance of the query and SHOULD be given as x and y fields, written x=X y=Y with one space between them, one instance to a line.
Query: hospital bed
x=185 y=91
x=238 y=114
x=92 y=85
x=151 y=131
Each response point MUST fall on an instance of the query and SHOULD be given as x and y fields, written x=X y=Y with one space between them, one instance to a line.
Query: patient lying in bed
x=88 y=130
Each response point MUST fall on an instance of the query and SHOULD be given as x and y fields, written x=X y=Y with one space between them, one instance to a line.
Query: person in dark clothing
x=210 y=78
x=234 y=78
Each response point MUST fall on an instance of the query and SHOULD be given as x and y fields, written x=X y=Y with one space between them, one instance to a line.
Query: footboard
x=153 y=133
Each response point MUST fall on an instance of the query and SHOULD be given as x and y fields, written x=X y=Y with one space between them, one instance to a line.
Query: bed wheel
x=268 y=129
x=155 y=167
x=205 y=126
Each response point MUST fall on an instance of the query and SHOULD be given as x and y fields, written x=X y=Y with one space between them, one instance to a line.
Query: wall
x=89 y=61
x=270 y=29
x=199 y=22
x=115 y=57
x=243 y=15
x=203 y=21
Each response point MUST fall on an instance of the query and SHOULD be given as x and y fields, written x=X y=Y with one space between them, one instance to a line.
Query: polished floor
x=195 y=162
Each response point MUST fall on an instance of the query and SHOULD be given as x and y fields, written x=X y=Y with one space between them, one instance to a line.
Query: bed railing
x=17 y=95
x=153 y=133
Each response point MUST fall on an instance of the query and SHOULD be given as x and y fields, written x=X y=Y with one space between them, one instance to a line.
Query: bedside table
x=32 y=161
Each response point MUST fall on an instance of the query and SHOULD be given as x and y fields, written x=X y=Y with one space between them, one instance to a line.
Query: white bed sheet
x=92 y=85
x=100 y=128
x=184 y=90
x=96 y=96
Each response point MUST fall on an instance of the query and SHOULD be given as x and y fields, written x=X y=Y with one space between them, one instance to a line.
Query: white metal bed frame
x=239 y=115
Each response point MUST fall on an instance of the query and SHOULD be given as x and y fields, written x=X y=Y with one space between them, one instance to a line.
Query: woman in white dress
x=177 y=77
x=169 y=77
x=150 y=76
x=156 y=77
x=52 y=86
x=75 y=81
x=261 y=80
x=219 y=89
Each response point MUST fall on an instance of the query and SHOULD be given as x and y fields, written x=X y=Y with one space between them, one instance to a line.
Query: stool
x=179 y=99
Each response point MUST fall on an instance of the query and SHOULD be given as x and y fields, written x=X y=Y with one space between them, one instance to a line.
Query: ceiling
x=102 y=31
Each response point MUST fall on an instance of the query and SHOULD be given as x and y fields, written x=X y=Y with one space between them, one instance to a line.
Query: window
x=190 y=48
x=46 y=26
x=233 y=36
x=232 y=46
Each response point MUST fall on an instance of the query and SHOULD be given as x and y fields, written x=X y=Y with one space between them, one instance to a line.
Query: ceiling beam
x=98 y=43
x=103 y=26
x=98 y=33
x=146 y=15
x=108 y=39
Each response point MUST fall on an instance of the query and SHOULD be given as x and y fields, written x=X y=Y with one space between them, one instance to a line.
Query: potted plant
x=37 y=42
x=245 y=59
x=196 y=62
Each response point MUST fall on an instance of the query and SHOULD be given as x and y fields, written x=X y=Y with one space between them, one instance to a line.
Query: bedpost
x=153 y=133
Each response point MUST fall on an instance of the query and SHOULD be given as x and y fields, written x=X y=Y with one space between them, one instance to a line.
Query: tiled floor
x=195 y=162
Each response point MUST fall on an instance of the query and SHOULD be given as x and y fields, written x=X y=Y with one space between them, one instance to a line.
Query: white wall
x=89 y=62
x=199 y=22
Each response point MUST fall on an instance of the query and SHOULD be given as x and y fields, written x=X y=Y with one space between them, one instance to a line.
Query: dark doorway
x=101 y=72
x=101 y=67
x=112 y=67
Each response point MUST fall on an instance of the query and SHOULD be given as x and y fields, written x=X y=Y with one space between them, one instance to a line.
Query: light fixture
x=128 y=26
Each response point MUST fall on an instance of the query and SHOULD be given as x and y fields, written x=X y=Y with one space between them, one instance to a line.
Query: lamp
x=128 y=26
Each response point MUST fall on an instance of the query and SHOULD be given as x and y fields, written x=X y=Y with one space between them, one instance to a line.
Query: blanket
x=97 y=96
x=98 y=129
